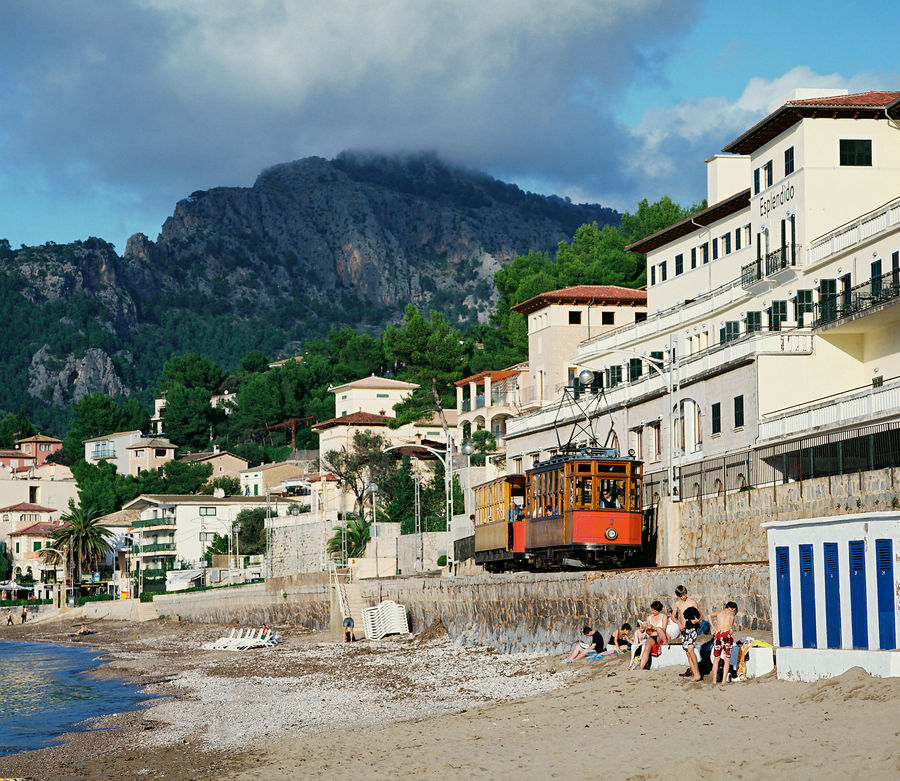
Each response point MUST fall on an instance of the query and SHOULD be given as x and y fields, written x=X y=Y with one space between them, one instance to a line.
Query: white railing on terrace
x=666 y=320
x=865 y=404
x=757 y=343
x=867 y=226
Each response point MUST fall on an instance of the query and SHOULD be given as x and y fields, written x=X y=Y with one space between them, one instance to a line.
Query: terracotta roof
x=209 y=456
x=27 y=507
x=151 y=442
x=583 y=294
x=39 y=529
x=114 y=434
x=354 y=419
x=860 y=105
x=329 y=478
x=39 y=438
x=13 y=453
x=696 y=221
x=379 y=383
x=495 y=376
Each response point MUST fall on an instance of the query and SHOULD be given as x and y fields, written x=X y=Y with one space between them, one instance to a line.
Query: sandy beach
x=407 y=707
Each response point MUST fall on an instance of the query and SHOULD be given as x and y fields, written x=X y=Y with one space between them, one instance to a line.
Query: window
x=755 y=181
x=738 y=411
x=343 y=398
x=639 y=317
x=875 y=277
x=382 y=395
x=608 y=318
x=652 y=275
x=160 y=452
x=207 y=511
x=138 y=453
x=729 y=331
x=717 y=418
x=895 y=271
x=856 y=151
x=37 y=546
x=574 y=318
x=662 y=271
x=789 y=161
x=679 y=264
x=705 y=248
x=726 y=240
x=769 y=174
x=737 y=238
x=777 y=315
x=693 y=257
x=803 y=303
x=655 y=441
x=657 y=356
x=827 y=300
x=754 y=322
x=615 y=376
x=635 y=369
x=715 y=249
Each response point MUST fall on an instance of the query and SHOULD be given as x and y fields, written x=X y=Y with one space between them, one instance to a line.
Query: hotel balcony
x=649 y=384
x=870 y=226
x=107 y=453
x=155 y=549
x=775 y=268
x=167 y=522
x=487 y=400
x=862 y=405
x=876 y=296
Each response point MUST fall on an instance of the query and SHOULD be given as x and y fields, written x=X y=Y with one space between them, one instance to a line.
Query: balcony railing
x=154 y=547
x=166 y=520
x=866 y=227
x=871 y=293
x=466 y=405
x=772 y=263
x=103 y=452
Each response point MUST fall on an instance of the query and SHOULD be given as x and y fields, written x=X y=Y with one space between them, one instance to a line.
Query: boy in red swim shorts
x=723 y=624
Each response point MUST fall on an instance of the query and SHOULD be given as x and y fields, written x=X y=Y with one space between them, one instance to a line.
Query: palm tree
x=354 y=534
x=81 y=535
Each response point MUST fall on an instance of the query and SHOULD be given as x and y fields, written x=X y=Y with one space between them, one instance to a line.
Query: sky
x=110 y=112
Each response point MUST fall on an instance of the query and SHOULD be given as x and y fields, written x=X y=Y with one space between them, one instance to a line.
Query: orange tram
x=576 y=509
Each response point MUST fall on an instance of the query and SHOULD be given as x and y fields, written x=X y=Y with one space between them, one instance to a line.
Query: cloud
x=165 y=97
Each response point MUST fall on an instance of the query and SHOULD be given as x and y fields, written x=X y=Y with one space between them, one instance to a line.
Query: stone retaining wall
x=298 y=601
x=545 y=612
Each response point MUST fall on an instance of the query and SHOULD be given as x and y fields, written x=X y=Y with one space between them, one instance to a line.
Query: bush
x=17 y=602
x=96 y=598
x=442 y=561
x=146 y=596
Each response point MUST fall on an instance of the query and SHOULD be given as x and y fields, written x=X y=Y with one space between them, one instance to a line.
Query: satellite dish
x=219 y=493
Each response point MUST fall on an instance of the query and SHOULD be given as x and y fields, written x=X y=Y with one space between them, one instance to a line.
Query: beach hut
x=835 y=589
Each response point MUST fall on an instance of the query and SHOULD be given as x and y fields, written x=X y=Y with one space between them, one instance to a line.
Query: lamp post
x=63 y=555
x=467 y=449
x=372 y=490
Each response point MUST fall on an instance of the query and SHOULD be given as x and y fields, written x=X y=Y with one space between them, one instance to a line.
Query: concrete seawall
x=545 y=612
x=510 y=612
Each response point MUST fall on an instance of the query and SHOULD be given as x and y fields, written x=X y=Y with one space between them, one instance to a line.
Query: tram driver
x=607 y=500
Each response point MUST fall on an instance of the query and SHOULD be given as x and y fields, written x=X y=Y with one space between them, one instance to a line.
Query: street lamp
x=372 y=490
x=467 y=449
x=62 y=555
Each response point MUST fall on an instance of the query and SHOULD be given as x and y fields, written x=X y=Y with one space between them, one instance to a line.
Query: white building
x=770 y=348
x=835 y=588
x=111 y=448
x=375 y=395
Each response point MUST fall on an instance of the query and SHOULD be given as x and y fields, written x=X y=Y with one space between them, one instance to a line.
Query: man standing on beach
x=9 y=618
x=722 y=624
x=24 y=614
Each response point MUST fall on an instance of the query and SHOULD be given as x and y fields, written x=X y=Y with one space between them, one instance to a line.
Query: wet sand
x=415 y=706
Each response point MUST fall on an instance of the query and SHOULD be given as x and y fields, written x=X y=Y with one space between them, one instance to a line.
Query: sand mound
x=855 y=684
x=436 y=631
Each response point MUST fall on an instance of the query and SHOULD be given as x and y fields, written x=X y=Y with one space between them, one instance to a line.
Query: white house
x=111 y=448
x=835 y=585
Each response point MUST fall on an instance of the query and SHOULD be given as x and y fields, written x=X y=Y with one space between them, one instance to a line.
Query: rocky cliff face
x=312 y=245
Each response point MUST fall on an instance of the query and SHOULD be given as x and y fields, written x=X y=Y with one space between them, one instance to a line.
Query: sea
x=45 y=691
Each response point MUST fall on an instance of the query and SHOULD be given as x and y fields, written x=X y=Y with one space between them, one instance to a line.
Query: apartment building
x=770 y=345
x=111 y=448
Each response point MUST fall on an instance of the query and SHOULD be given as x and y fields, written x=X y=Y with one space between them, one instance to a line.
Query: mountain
x=312 y=245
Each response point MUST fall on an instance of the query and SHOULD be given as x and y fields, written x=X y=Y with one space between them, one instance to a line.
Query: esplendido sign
x=783 y=196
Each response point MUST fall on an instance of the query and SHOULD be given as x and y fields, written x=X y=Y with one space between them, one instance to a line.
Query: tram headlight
x=611 y=533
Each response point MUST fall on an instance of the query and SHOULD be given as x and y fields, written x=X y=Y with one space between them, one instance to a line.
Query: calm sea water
x=45 y=692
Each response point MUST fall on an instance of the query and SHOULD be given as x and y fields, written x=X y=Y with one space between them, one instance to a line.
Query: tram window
x=612 y=493
x=583 y=468
x=584 y=489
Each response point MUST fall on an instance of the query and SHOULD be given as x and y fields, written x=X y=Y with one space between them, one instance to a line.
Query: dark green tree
x=252 y=536
x=15 y=427
x=363 y=463
x=96 y=415
x=190 y=371
x=188 y=417
x=254 y=361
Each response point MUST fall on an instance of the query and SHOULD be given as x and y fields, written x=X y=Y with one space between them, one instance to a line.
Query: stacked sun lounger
x=241 y=640
x=386 y=618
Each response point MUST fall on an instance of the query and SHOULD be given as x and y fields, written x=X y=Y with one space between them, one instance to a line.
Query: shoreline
x=405 y=706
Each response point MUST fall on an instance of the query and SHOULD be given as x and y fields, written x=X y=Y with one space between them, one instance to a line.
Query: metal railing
x=860 y=298
x=773 y=262
x=104 y=452
x=876 y=221
x=149 y=522
x=153 y=547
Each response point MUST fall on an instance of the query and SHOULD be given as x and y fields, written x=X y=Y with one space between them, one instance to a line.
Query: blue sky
x=114 y=111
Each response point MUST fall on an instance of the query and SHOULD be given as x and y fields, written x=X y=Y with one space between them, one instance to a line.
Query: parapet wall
x=545 y=612
x=297 y=601
x=729 y=527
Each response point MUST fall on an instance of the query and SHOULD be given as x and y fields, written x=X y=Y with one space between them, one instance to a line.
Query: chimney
x=216 y=449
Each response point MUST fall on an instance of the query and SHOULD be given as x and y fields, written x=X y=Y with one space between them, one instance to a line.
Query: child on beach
x=723 y=640
x=621 y=638
x=594 y=645
x=689 y=640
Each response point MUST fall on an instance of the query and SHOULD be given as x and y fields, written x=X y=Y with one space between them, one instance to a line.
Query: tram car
x=580 y=509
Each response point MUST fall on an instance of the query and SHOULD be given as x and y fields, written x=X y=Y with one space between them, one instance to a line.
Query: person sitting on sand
x=593 y=645
x=348 y=630
x=689 y=640
x=723 y=640
x=621 y=638
x=653 y=633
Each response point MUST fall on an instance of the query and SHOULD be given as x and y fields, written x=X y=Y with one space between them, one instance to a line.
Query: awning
x=178 y=581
